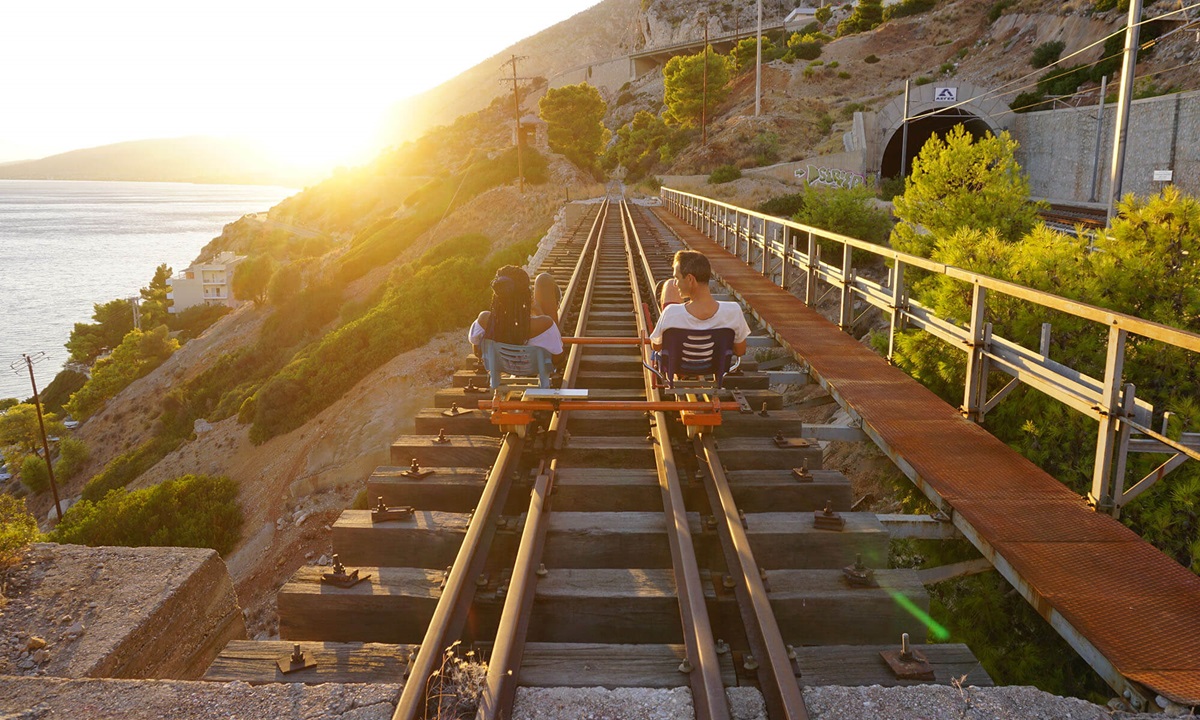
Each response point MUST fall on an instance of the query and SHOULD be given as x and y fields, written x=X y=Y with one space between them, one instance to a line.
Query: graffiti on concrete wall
x=829 y=177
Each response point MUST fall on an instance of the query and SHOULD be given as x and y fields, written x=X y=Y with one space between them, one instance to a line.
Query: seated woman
x=519 y=317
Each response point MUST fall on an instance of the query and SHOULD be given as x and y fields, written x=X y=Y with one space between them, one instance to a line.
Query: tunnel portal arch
x=934 y=108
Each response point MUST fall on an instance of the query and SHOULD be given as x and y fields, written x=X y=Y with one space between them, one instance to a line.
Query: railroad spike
x=827 y=519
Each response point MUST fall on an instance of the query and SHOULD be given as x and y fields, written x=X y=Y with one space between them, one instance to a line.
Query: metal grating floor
x=1138 y=608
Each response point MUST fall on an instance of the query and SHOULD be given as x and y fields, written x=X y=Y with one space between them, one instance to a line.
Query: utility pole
x=704 y=92
x=28 y=361
x=517 y=120
x=758 y=66
x=136 y=305
x=1099 y=138
x=904 y=136
x=1124 y=97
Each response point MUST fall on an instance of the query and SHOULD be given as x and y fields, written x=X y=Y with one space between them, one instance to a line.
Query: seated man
x=688 y=304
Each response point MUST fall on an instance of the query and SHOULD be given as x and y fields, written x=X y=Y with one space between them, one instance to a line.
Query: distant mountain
x=188 y=159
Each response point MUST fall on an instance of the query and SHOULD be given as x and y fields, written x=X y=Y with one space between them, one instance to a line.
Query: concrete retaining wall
x=1058 y=147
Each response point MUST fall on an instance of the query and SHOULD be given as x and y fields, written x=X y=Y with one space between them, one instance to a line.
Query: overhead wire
x=1077 y=93
x=1005 y=88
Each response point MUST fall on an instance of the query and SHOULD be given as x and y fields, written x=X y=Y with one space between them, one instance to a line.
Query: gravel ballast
x=44 y=698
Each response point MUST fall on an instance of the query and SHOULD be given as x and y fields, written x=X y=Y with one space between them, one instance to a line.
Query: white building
x=206 y=283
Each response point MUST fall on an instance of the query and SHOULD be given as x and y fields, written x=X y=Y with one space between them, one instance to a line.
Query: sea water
x=66 y=245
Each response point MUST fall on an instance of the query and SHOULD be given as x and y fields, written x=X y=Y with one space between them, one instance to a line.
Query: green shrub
x=947 y=68
x=766 y=148
x=284 y=284
x=1063 y=81
x=890 y=187
x=1149 y=89
x=844 y=75
x=191 y=511
x=18 y=528
x=137 y=355
x=34 y=474
x=823 y=14
x=125 y=468
x=1029 y=102
x=805 y=50
x=871 y=59
x=846 y=212
x=574 y=116
x=72 y=456
x=61 y=388
x=644 y=144
x=905 y=8
x=783 y=205
x=745 y=53
x=724 y=174
x=471 y=245
x=923 y=80
x=430 y=299
x=866 y=16
x=833 y=64
x=847 y=111
x=192 y=323
x=997 y=9
x=1047 y=53
x=825 y=124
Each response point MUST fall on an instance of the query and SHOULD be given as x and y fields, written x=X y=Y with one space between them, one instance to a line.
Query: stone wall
x=1058 y=148
x=116 y=612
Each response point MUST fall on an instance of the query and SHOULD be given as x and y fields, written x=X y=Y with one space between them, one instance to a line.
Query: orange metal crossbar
x=604 y=405
x=605 y=341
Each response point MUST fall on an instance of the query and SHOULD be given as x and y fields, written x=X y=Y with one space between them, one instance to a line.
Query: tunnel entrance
x=920 y=129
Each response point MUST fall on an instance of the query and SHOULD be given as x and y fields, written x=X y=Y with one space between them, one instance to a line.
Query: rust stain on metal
x=1138 y=607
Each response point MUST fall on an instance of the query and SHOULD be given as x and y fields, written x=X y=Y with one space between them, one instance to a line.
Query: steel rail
x=450 y=613
x=776 y=676
x=704 y=673
x=604 y=341
x=454 y=604
x=604 y=405
x=504 y=665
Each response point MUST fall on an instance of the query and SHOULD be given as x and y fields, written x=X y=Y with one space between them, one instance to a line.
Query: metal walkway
x=1132 y=612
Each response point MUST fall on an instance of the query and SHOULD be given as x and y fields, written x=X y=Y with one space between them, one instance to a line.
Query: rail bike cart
x=681 y=369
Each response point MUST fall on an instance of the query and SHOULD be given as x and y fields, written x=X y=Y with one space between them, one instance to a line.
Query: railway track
x=1067 y=218
x=604 y=547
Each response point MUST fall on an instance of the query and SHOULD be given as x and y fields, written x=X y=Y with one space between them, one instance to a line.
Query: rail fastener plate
x=298 y=660
x=913 y=666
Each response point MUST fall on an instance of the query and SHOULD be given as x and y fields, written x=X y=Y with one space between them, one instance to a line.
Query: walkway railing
x=783 y=250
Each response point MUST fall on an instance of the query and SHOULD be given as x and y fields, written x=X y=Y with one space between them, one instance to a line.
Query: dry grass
x=455 y=688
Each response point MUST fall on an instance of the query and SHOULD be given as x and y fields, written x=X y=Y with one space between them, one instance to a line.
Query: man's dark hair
x=695 y=264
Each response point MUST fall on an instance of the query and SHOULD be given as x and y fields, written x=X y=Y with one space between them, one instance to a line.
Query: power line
x=1004 y=89
x=1078 y=93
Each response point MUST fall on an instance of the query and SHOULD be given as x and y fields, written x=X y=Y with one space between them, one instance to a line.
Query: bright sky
x=310 y=81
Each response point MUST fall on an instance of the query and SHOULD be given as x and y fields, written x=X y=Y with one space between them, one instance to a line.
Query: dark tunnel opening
x=920 y=129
